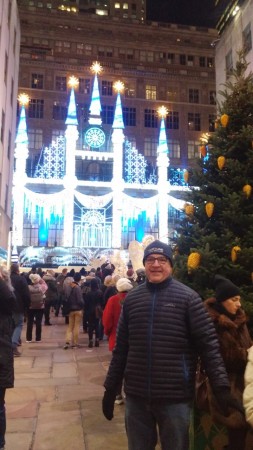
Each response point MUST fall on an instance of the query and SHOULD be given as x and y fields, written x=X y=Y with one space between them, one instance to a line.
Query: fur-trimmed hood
x=234 y=340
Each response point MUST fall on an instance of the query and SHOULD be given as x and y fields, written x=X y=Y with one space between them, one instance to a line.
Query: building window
x=2 y=126
x=150 y=147
x=84 y=86
x=12 y=91
x=160 y=56
x=5 y=67
x=37 y=81
x=105 y=51
x=174 y=148
x=212 y=98
x=106 y=87
x=182 y=60
x=59 y=111
x=61 y=84
x=150 y=118
x=9 y=146
x=210 y=62
x=212 y=119
x=130 y=54
x=193 y=149
x=193 y=96
x=129 y=117
x=229 y=63
x=194 y=123
x=107 y=114
x=190 y=60
x=117 y=5
x=146 y=56
x=150 y=92
x=6 y=198
x=80 y=49
x=130 y=90
x=170 y=58
x=83 y=111
x=36 y=109
x=172 y=120
x=202 y=61
x=125 y=5
x=35 y=141
x=88 y=49
x=247 y=39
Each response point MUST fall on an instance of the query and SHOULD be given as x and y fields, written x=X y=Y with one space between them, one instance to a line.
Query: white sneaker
x=29 y=342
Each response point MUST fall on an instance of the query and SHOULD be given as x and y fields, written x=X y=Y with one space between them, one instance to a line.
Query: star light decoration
x=119 y=86
x=23 y=99
x=73 y=82
x=162 y=112
x=96 y=68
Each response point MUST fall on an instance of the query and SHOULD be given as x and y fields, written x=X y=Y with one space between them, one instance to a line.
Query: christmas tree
x=215 y=236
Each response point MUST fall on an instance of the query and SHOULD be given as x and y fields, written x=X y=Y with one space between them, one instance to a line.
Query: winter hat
x=130 y=273
x=224 y=288
x=51 y=272
x=158 y=247
x=124 y=285
x=34 y=277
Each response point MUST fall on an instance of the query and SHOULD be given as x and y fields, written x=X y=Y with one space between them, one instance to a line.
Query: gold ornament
x=186 y=176
x=193 y=261
x=216 y=124
x=236 y=249
x=224 y=120
x=189 y=209
x=203 y=150
x=221 y=162
x=247 y=190
x=209 y=209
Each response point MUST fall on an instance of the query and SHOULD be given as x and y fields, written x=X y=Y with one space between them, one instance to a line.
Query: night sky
x=191 y=12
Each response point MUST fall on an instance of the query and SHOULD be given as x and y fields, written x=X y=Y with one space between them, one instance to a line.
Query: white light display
x=92 y=228
x=53 y=160
x=135 y=165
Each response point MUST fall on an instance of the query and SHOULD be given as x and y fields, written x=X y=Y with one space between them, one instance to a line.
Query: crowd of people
x=157 y=328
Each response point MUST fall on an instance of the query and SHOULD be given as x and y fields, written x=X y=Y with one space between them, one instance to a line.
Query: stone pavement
x=56 y=402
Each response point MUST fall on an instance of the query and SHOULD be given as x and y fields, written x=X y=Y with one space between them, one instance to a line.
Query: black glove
x=226 y=400
x=108 y=404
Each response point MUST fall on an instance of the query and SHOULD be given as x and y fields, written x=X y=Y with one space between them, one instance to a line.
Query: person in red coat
x=111 y=317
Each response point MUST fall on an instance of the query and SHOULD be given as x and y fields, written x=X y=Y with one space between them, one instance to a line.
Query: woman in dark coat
x=93 y=305
x=7 y=306
x=230 y=323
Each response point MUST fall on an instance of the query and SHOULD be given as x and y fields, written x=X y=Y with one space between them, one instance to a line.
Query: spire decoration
x=118 y=115
x=162 y=145
x=71 y=115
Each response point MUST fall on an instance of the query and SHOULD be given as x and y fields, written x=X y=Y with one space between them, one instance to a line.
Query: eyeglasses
x=161 y=260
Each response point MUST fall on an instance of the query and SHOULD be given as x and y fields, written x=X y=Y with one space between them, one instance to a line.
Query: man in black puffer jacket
x=162 y=329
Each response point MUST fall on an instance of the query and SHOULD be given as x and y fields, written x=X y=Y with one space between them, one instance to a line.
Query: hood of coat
x=224 y=320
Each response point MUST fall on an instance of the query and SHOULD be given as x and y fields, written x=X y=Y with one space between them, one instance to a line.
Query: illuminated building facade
x=159 y=64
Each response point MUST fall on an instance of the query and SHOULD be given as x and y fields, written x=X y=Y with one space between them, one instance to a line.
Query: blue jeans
x=142 y=419
x=18 y=321
x=2 y=417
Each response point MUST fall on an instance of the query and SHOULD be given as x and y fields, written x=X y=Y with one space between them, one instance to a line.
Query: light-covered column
x=20 y=178
x=117 y=184
x=162 y=184
x=70 y=180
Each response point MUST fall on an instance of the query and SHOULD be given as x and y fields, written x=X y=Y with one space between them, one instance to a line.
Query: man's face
x=157 y=268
